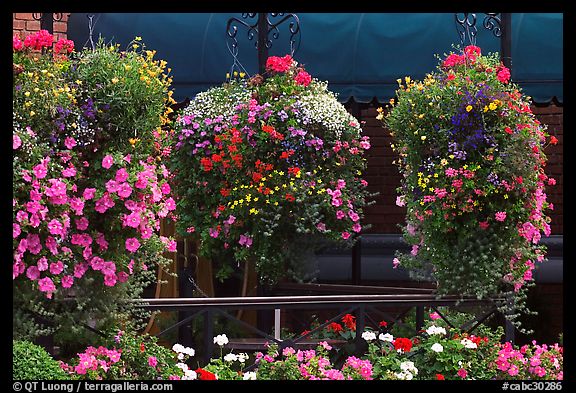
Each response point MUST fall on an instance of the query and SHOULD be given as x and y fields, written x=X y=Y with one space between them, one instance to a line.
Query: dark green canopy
x=360 y=54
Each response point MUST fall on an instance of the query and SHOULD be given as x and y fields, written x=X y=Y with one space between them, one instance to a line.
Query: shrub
x=32 y=362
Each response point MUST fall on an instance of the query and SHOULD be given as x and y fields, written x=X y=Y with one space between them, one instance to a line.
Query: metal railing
x=363 y=306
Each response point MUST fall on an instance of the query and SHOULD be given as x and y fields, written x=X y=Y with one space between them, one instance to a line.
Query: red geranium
x=205 y=375
x=335 y=327
x=279 y=64
x=403 y=344
x=349 y=321
x=440 y=377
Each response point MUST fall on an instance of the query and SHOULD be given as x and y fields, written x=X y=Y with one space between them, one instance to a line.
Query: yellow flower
x=468 y=108
x=391 y=101
x=227 y=75
x=32 y=113
x=379 y=116
x=133 y=141
x=115 y=80
x=407 y=79
x=379 y=110
x=235 y=73
x=134 y=46
x=242 y=74
x=421 y=116
x=27 y=94
x=423 y=137
x=138 y=38
x=485 y=109
x=493 y=106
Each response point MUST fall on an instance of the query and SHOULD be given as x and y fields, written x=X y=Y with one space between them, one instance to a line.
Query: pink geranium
x=303 y=78
x=107 y=161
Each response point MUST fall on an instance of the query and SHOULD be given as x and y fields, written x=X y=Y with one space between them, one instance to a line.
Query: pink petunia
x=152 y=361
x=345 y=235
x=245 y=241
x=67 y=281
x=121 y=175
x=15 y=230
x=16 y=141
x=132 y=220
x=110 y=280
x=46 y=285
x=213 y=232
x=356 y=227
x=33 y=273
x=165 y=188
x=82 y=224
x=395 y=263
x=340 y=214
x=56 y=267
x=132 y=244
x=69 y=142
x=500 y=216
x=89 y=193
x=462 y=373
x=42 y=264
x=107 y=161
x=122 y=277
x=40 y=171
x=55 y=227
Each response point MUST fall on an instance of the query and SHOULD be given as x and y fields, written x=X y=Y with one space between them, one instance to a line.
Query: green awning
x=360 y=54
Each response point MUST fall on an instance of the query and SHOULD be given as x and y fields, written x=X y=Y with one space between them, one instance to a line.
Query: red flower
x=293 y=170
x=453 y=60
x=303 y=78
x=503 y=74
x=256 y=177
x=206 y=164
x=383 y=324
x=403 y=344
x=553 y=140
x=216 y=157
x=268 y=129
x=335 y=327
x=290 y=198
x=279 y=64
x=508 y=130
x=349 y=321
x=142 y=348
x=304 y=332
x=440 y=377
x=205 y=375
x=225 y=192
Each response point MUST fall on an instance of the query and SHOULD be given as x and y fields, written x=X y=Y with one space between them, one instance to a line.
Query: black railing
x=363 y=306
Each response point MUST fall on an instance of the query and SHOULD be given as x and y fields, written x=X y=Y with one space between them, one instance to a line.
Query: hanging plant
x=471 y=155
x=269 y=168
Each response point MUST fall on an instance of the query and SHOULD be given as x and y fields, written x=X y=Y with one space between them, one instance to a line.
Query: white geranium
x=221 y=340
x=432 y=330
x=404 y=375
x=437 y=347
x=369 y=336
x=242 y=357
x=190 y=375
x=409 y=367
x=178 y=348
x=189 y=351
x=180 y=356
x=386 y=337
x=468 y=343
x=249 y=375
x=230 y=357
x=182 y=366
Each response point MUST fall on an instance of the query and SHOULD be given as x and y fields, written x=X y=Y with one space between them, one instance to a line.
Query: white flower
x=386 y=337
x=249 y=375
x=189 y=351
x=435 y=330
x=369 y=336
x=242 y=357
x=190 y=375
x=437 y=347
x=408 y=367
x=468 y=343
x=221 y=340
x=180 y=356
x=230 y=357
x=405 y=375
x=183 y=366
x=178 y=348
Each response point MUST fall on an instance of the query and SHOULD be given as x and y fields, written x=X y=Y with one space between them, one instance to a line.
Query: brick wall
x=383 y=177
x=24 y=24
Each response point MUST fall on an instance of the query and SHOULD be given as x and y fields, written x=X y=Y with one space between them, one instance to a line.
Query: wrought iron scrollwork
x=466 y=27
x=263 y=30
x=493 y=22
x=232 y=29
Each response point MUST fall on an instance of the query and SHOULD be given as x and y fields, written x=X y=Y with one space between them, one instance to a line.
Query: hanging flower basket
x=268 y=168
x=471 y=155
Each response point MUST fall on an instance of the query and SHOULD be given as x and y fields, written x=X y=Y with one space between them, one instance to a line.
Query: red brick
x=33 y=25
x=60 y=27
x=18 y=24
x=23 y=16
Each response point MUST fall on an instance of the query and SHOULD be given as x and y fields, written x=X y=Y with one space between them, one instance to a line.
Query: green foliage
x=32 y=362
